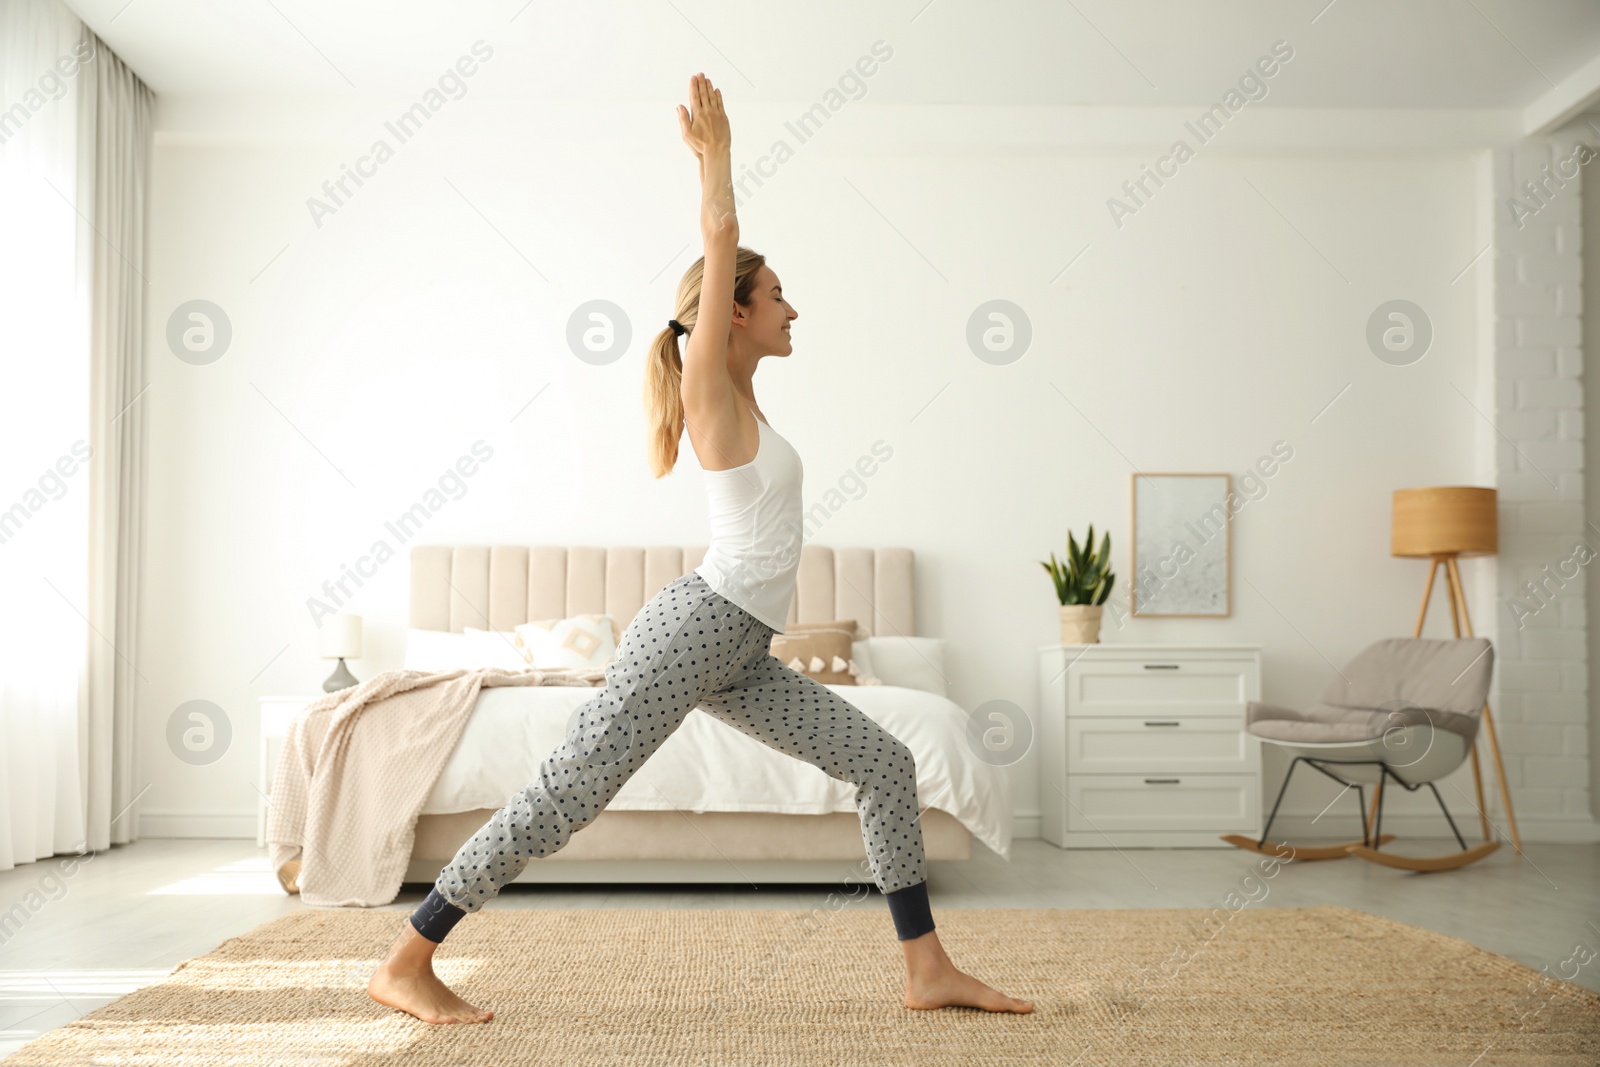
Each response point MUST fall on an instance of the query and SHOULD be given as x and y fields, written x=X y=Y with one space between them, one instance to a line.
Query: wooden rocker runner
x=1405 y=709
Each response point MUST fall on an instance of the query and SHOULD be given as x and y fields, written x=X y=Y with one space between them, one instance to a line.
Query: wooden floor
x=129 y=915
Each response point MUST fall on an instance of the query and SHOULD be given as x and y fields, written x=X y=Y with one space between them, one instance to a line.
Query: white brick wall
x=1540 y=696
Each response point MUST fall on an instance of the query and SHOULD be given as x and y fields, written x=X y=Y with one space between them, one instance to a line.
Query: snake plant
x=1085 y=577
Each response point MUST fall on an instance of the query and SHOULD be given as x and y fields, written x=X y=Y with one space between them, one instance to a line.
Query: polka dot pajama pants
x=690 y=647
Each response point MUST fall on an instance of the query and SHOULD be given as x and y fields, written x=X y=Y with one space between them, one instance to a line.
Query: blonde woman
x=704 y=640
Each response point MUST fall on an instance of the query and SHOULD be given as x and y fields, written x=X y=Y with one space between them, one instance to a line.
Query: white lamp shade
x=340 y=637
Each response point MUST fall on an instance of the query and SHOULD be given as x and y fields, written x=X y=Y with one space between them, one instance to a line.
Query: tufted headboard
x=498 y=587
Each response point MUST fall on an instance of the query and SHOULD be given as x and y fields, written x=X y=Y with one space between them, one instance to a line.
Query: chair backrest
x=1450 y=675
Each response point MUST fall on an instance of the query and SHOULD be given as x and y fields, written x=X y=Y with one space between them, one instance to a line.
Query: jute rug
x=1257 y=986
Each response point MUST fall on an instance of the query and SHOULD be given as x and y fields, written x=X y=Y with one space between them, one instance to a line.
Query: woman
x=705 y=639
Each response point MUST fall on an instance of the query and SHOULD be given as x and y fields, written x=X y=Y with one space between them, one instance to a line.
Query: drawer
x=1161 y=688
x=1122 y=745
x=1107 y=802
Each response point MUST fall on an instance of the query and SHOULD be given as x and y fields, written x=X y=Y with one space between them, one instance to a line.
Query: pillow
x=819 y=650
x=440 y=650
x=912 y=662
x=861 y=660
x=578 y=641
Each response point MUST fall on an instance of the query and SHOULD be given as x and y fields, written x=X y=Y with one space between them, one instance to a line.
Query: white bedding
x=708 y=766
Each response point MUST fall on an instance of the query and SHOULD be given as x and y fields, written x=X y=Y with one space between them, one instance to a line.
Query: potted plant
x=1082 y=584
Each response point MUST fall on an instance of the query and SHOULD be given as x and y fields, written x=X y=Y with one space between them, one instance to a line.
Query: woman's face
x=766 y=319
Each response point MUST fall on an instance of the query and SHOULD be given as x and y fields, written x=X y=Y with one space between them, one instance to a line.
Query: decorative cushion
x=578 y=641
x=820 y=650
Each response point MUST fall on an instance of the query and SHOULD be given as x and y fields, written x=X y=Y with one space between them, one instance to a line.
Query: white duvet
x=707 y=765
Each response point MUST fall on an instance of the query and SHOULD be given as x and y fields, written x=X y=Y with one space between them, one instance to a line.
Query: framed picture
x=1182 y=533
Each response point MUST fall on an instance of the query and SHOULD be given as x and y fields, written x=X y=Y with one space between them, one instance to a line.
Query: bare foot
x=932 y=981
x=952 y=988
x=406 y=981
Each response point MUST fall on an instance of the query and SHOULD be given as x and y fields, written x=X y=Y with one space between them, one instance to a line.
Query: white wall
x=1589 y=223
x=1224 y=316
x=1541 y=699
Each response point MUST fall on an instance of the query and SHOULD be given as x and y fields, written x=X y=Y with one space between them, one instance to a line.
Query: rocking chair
x=1405 y=709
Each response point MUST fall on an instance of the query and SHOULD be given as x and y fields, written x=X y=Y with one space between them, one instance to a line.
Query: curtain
x=44 y=434
x=118 y=142
x=74 y=134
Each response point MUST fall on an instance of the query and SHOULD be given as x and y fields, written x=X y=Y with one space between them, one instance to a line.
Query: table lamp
x=341 y=640
x=1442 y=523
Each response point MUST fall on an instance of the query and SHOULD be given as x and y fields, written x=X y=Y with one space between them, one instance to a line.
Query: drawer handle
x=1161 y=666
x=1160 y=781
x=1167 y=722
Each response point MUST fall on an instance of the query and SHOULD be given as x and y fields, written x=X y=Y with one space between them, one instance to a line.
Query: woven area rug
x=1281 y=986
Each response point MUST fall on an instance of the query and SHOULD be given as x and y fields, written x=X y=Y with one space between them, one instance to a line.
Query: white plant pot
x=1080 y=624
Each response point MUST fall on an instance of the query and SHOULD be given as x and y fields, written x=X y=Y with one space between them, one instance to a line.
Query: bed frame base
x=758 y=873
x=711 y=847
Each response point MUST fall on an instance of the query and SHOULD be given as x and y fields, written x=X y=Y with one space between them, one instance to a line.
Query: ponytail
x=663 y=401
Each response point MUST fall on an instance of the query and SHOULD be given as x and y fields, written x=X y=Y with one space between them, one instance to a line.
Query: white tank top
x=756 y=529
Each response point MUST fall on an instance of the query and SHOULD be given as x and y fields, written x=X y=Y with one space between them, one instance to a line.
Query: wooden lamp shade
x=1444 y=520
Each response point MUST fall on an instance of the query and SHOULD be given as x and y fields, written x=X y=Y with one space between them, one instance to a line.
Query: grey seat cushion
x=1333 y=724
x=1391 y=684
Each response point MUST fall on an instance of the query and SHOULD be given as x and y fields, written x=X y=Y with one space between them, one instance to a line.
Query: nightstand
x=1146 y=746
x=276 y=715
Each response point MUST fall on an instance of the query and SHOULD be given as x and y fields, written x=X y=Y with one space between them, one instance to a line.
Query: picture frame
x=1182 y=545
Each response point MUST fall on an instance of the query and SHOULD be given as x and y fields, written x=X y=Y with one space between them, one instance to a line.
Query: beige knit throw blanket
x=357 y=766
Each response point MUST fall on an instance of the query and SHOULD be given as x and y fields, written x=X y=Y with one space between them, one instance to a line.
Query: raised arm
x=708 y=393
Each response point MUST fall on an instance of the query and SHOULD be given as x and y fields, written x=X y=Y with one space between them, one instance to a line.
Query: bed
x=711 y=805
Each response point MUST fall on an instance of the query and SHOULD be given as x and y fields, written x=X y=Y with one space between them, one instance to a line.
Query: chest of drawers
x=1145 y=745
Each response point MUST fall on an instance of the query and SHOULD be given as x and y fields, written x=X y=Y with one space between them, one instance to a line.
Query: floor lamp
x=1441 y=524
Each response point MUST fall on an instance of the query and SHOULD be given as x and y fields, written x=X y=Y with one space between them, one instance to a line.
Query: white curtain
x=120 y=139
x=73 y=136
